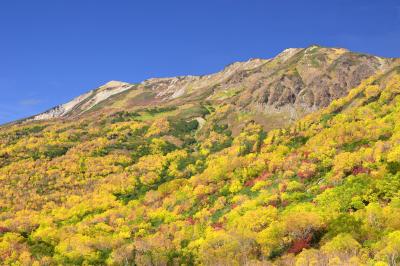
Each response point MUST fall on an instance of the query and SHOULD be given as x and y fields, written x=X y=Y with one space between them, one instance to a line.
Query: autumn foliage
x=129 y=190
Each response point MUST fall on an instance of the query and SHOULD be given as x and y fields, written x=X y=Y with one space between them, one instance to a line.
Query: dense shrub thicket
x=128 y=191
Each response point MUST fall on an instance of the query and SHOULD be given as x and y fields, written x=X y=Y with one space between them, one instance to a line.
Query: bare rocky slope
x=273 y=92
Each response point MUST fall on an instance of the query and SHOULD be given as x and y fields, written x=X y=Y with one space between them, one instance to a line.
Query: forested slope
x=158 y=187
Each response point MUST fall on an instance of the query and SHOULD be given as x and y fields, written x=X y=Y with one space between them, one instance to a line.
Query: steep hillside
x=85 y=102
x=154 y=173
x=273 y=92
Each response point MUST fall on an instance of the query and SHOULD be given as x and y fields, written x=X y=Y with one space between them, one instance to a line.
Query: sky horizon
x=55 y=50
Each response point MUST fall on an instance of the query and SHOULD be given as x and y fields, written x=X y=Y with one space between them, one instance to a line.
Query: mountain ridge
x=295 y=82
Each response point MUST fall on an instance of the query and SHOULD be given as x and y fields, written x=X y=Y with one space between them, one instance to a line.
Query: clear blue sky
x=54 y=50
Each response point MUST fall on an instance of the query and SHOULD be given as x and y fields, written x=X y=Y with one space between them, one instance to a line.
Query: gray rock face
x=310 y=78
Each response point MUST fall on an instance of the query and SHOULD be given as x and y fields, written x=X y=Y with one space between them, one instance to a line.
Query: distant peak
x=291 y=50
x=317 y=46
x=287 y=53
x=313 y=46
x=115 y=83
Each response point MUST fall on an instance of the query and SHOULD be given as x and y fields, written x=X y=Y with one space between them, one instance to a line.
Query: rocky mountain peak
x=86 y=101
x=273 y=91
x=287 y=53
x=114 y=84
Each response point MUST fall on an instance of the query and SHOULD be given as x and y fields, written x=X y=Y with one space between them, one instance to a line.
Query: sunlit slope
x=156 y=187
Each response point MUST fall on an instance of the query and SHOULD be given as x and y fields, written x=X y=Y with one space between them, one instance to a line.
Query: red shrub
x=299 y=244
x=284 y=203
x=4 y=230
x=261 y=177
x=307 y=174
x=217 y=226
x=360 y=170
x=323 y=188
x=249 y=183
x=273 y=203
x=190 y=221
x=306 y=154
